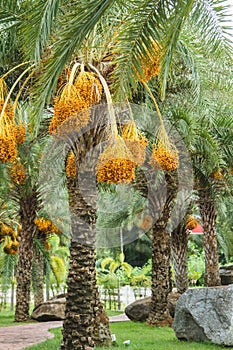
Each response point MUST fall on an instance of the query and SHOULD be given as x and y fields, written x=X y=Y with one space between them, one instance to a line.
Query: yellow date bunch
x=166 y=159
x=10 y=134
x=46 y=226
x=115 y=164
x=151 y=63
x=71 y=165
x=11 y=238
x=191 y=222
x=135 y=142
x=17 y=173
x=74 y=99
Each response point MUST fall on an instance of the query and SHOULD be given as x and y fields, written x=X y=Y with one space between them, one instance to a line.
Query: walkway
x=22 y=336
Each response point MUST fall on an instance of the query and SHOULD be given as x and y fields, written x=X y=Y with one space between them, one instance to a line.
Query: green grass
x=51 y=344
x=142 y=337
x=114 y=313
x=7 y=318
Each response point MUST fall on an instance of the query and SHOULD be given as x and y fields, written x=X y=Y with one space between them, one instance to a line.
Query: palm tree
x=86 y=323
x=161 y=256
x=208 y=137
x=21 y=189
x=82 y=301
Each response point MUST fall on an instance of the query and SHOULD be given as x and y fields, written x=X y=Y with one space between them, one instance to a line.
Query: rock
x=139 y=309
x=51 y=310
x=205 y=314
x=226 y=274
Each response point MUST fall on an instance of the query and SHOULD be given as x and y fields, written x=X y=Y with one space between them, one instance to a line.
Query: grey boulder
x=51 y=310
x=139 y=309
x=205 y=314
x=226 y=274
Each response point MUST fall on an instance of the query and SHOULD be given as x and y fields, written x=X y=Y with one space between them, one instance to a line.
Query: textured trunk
x=78 y=327
x=161 y=253
x=208 y=214
x=86 y=324
x=38 y=285
x=161 y=278
x=28 y=207
x=180 y=257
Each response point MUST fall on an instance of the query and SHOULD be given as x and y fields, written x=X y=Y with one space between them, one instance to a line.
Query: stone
x=51 y=310
x=139 y=309
x=226 y=274
x=205 y=314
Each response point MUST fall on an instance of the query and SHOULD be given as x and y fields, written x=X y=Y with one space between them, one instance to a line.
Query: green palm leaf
x=42 y=17
x=74 y=27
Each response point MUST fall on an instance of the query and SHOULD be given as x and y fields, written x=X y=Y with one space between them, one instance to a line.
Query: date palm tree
x=86 y=323
x=208 y=137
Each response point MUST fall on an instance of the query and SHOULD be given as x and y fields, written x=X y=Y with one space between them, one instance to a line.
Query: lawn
x=141 y=336
x=7 y=317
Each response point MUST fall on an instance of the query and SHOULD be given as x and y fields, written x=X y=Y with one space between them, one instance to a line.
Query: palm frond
x=210 y=22
x=74 y=27
x=135 y=42
x=8 y=265
x=42 y=17
x=171 y=34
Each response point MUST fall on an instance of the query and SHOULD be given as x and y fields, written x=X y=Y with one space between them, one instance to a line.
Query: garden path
x=19 y=337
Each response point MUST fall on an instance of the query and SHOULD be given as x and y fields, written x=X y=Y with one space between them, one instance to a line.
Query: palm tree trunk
x=86 y=324
x=28 y=207
x=161 y=254
x=38 y=285
x=179 y=239
x=78 y=327
x=208 y=214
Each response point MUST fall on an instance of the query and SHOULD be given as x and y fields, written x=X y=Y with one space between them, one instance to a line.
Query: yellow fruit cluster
x=117 y=171
x=83 y=92
x=17 y=173
x=89 y=87
x=47 y=245
x=166 y=159
x=11 y=247
x=9 y=111
x=6 y=230
x=218 y=174
x=8 y=148
x=71 y=165
x=67 y=105
x=46 y=226
x=20 y=133
x=151 y=65
x=10 y=134
x=138 y=151
x=115 y=164
x=130 y=132
x=135 y=142
x=191 y=223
